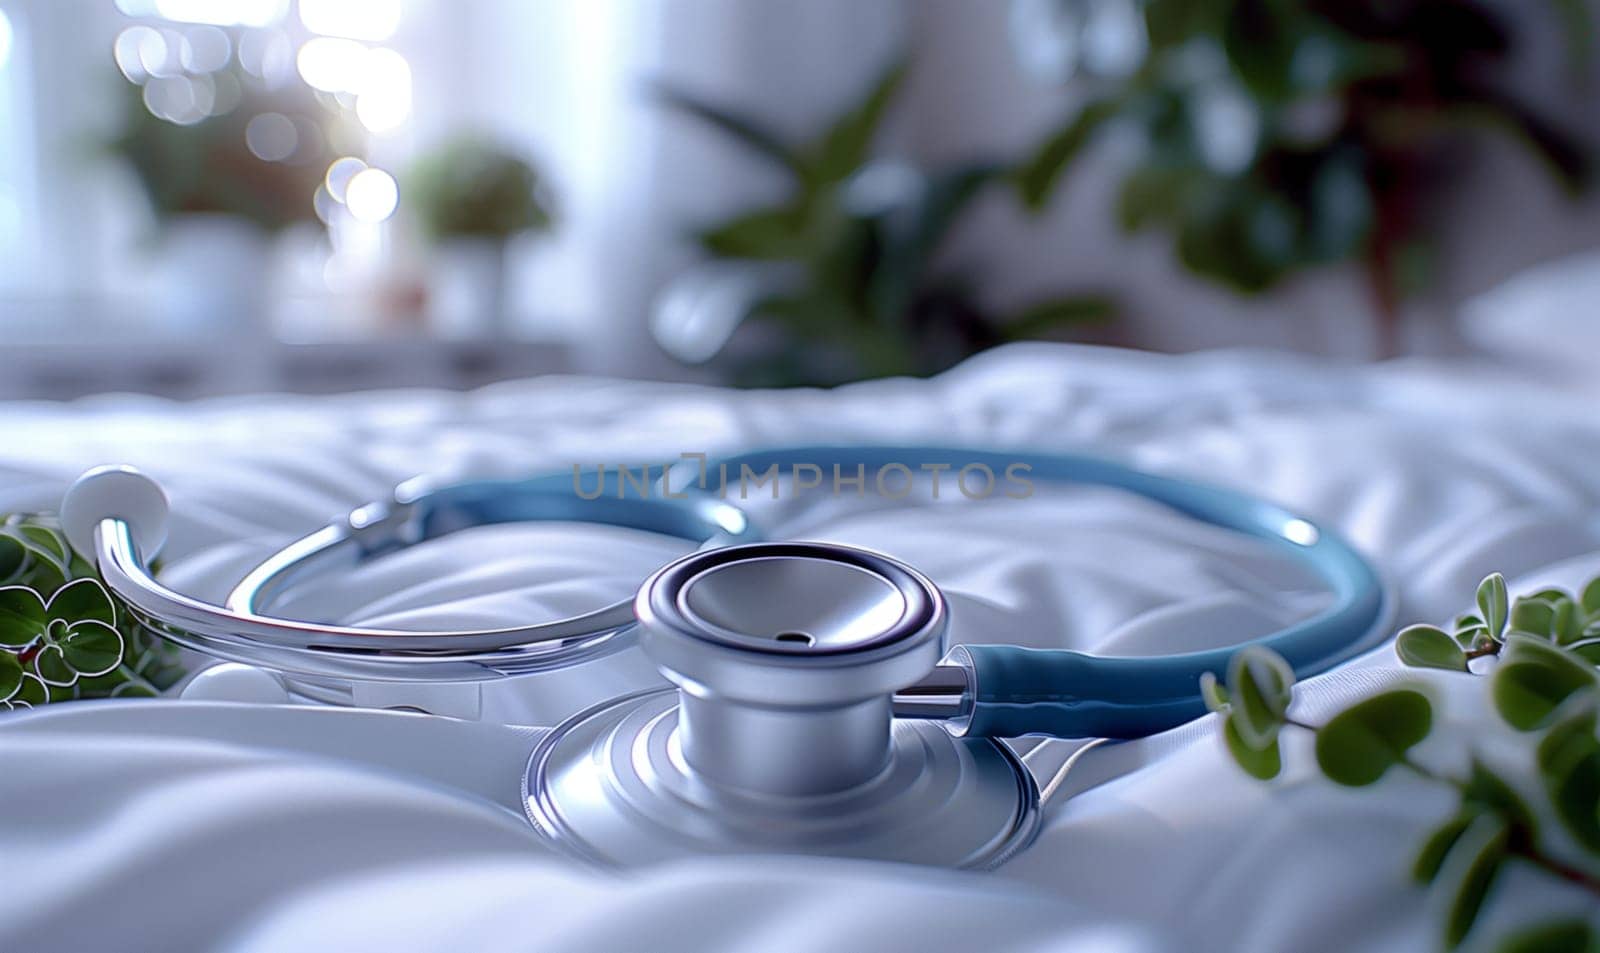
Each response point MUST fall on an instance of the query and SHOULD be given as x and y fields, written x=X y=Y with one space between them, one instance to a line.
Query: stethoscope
x=814 y=705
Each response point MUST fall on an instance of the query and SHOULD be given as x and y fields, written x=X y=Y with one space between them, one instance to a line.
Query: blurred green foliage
x=862 y=236
x=207 y=166
x=472 y=187
x=1281 y=135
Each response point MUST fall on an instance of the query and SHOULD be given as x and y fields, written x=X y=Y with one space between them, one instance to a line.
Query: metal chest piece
x=779 y=737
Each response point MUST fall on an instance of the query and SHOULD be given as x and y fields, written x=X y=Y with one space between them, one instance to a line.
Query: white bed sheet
x=183 y=826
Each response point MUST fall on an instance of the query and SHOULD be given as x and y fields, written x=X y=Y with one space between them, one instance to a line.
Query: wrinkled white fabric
x=381 y=835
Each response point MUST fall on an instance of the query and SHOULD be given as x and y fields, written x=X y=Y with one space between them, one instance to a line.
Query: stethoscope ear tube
x=1014 y=692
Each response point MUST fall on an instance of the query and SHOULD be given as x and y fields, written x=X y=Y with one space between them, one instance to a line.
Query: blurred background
x=221 y=196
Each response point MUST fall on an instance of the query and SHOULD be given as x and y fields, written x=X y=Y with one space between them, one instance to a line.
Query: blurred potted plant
x=1283 y=136
x=840 y=280
x=220 y=184
x=472 y=197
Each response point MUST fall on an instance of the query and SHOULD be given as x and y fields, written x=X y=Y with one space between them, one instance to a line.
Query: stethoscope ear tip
x=115 y=492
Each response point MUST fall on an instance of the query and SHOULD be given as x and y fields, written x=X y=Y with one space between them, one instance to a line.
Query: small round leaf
x=46 y=540
x=1492 y=603
x=1535 y=679
x=1431 y=857
x=1426 y=646
x=22 y=616
x=10 y=675
x=1262 y=763
x=50 y=665
x=1366 y=740
x=1473 y=865
x=32 y=693
x=1215 y=695
x=1569 y=767
x=92 y=648
x=1533 y=616
x=83 y=599
x=12 y=558
x=1489 y=791
x=1260 y=686
x=1591 y=597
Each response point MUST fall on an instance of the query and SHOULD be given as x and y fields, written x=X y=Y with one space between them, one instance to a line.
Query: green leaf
x=1569 y=766
x=1214 y=692
x=1566 y=624
x=1261 y=40
x=22 y=616
x=1263 y=763
x=1427 y=646
x=746 y=131
x=1431 y=857
x=1563 y=936
x=1492 y=603
x=1563 y=155
x=83 y=600
x=1535 y=616
x=1045 y=316
x=1155 y=193
x=1260 y=684
x=1037 y=177
x=1588 y=648
x=1487 y=790
x=769 y=233
x=1361 y=743
x=48 y=541
x=32 y=693
x=10 y=675
x=132 y=689
x=13 y=557
x=1474 y=864
x=50 y=665
x=92 y=648
x=1534 y=679
x=1591 y=597
x=846 y=146
x=42 y=575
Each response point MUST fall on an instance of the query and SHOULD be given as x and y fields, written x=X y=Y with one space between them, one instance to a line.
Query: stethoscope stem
x=944 y=694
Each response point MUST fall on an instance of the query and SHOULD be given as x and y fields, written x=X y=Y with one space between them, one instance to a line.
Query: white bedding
x=181 y=825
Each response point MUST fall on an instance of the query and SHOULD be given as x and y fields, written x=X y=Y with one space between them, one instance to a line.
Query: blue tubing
x=559 y=496
x=1069 y=694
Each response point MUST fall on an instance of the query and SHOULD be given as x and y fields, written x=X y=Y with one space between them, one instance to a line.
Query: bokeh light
x=372 y=195
x=373 y=20
x=215 y=12
x=204 y=49
x=268 y=55
x=184 y=100
x=383 y=102
x=271 y=136
x=337 y=181
x=332 y=65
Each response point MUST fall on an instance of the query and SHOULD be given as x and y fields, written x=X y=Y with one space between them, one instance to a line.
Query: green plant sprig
x=63 y=635
x=1543 y=683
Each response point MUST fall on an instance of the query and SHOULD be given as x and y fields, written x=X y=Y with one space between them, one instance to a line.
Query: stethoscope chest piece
x=780 y=735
